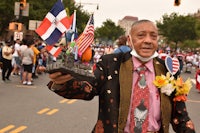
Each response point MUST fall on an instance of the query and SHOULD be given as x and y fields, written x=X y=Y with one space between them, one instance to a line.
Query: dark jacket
x=113 y=85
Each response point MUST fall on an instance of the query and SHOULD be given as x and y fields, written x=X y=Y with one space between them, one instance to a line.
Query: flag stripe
x=87 y=40
x=55 y=51
x=87 y=37
x=43 y=27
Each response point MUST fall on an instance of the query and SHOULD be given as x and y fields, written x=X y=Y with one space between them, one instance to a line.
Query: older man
x=129 y=102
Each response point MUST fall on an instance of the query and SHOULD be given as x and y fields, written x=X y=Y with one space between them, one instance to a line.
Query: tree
x=178 y=28
x=108 y=31
x=7 y=14
x=37 y=11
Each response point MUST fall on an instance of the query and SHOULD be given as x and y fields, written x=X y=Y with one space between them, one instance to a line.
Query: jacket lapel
x=165 y=102
x=125 y=79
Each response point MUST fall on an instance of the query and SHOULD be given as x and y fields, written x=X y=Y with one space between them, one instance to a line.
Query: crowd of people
x=28 y=65
x=22 y=58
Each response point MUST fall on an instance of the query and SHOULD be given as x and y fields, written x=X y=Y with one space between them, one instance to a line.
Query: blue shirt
x=123 y=48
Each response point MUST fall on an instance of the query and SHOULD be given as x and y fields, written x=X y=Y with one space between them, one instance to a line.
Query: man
x=7 y=52
x=115 y=84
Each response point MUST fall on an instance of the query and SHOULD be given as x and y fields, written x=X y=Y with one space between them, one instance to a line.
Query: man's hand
x=59 y=78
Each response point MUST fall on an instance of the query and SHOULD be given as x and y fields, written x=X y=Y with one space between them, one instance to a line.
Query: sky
x=143 y=9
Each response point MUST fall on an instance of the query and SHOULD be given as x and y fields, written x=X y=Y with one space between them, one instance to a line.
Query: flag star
x=101 y=68
x=109 y=91
x=116 y=72
x=115 y=59
x=109 y=77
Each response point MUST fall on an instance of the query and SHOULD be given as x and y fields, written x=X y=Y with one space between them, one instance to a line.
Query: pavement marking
x=63 y=101
x=52 y=112
x=26 y=86
x=193 y=101
x=47 y=111
x=9 y=127
x=68 y=101
x=43 y=110
x=19 y=129
x=71 y=101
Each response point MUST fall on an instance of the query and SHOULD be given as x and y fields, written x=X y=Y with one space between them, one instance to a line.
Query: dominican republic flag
x=54 y=24
x=87 y=37
x=55 y=51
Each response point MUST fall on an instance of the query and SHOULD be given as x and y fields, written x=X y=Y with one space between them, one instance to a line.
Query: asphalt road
x=35 y=109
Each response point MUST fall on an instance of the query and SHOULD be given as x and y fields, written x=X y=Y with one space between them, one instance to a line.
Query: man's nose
x=148 y=39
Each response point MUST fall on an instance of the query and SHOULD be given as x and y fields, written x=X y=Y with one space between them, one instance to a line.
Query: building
x=197 y=14
x=126 y=23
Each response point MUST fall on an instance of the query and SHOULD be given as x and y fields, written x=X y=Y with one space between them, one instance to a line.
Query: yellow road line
x=63 y=101
x=6 y=128
x=71 y=101
x=43 y=110
x=19 y=129
x=52 y=111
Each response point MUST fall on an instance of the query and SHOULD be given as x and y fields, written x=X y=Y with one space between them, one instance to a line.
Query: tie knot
x=141 y=69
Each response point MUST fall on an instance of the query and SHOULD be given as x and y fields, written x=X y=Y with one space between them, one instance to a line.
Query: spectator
x=122 y=46
x=7 y=52
x=27 y=61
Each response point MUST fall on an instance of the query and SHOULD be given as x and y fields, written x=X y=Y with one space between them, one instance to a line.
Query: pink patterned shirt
x=154 y=99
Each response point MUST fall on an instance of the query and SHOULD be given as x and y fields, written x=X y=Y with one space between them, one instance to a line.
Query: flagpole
x=73 y=35
x=74 y=26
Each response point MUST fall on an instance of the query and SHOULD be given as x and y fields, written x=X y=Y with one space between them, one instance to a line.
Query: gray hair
x=139 y=22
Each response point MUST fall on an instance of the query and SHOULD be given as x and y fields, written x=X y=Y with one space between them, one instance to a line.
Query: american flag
x=87 y=37
x=172 y=64
x=54 y=24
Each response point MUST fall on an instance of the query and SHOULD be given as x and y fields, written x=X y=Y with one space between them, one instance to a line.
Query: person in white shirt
x=16 y=57
x=7 y=58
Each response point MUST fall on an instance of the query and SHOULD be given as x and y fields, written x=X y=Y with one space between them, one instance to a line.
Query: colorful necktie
x=140 y=104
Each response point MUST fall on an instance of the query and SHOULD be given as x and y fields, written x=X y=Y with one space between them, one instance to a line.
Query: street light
x=177 y=2
x=22 y=4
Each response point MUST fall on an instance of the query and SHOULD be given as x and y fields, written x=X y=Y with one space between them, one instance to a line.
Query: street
x=35 y=109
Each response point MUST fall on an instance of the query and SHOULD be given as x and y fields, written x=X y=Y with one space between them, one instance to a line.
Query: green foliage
x=178 y=28
x=191 y=44
x=6 y=14
x=108 y=31
x=37 y=11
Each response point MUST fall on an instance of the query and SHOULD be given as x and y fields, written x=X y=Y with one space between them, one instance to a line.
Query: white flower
x=167 y=89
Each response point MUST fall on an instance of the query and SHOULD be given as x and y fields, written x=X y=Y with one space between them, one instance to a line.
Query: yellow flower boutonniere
x=168 y=84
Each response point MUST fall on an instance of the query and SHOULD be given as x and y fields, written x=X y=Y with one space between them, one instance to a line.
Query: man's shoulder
x=122 y=57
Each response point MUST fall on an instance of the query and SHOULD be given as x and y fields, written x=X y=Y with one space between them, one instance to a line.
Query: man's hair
x=139 y=22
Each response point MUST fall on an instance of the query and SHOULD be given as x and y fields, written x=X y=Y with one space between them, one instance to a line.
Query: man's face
x=143 y=39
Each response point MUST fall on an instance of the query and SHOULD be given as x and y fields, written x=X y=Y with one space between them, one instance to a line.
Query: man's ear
x=129 y=41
